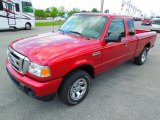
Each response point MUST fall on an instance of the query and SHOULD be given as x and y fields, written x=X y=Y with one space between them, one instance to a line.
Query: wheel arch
x=148 y=45
x=86 y=67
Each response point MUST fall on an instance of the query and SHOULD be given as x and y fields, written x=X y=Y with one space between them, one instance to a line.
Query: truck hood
x=43 y=47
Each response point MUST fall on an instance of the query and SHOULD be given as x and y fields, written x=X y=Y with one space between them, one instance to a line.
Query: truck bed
x=138 y=31
x=144 y=37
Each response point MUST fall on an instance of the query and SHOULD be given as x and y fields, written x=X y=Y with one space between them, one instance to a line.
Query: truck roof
x=105 y=14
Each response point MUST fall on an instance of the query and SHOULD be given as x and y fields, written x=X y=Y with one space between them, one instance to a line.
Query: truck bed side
x=145 y=38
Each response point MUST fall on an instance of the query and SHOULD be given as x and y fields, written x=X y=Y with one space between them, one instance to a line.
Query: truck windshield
x=86 y=25
x=156 y=22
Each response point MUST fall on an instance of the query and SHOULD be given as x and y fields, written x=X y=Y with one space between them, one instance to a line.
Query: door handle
x=126 y=44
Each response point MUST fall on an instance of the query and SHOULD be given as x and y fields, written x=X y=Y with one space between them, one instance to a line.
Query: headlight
x=38 y=70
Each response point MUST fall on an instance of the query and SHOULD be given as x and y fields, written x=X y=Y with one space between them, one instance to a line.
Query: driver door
x=115 y=53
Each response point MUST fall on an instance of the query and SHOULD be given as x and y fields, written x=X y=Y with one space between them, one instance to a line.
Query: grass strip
x=54 y=23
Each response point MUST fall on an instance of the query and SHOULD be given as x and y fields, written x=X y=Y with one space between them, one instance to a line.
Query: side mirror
x=131 y=33
x=113 y=38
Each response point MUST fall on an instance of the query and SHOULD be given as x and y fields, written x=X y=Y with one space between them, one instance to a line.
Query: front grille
x=18 y=61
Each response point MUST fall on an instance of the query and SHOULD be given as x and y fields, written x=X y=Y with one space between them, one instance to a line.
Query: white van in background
x=156 y=25
x=16 y=14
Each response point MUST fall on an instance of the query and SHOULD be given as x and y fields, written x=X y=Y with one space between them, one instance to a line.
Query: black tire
x=28 y=26
x=67 y=85
x=140 y=60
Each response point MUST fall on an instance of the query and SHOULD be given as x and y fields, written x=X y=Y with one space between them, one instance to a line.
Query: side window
x=17 y=7
x=27 y=7
x=117 y=27
x=10 y=6
x=1 y=6
x=131 y=27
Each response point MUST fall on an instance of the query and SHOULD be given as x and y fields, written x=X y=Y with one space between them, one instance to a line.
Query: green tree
x=73 y=11
x=39 y=13
x=76 y=9
x=107 y=11
x=83 y=11
x=94 y=10
x=61 y=13
x=54 y=12
x=48 y=12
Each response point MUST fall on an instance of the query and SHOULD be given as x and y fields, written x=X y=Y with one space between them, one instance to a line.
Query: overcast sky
x=113 y=5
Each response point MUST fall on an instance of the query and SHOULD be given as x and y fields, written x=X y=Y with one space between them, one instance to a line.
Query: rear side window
x=131 y=27
x=117 y=27
x=27 y=7
x=1 y=6
x=17 y=7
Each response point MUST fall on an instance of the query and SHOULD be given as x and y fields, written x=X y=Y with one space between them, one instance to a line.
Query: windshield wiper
x=62 y=31
x=79 y=34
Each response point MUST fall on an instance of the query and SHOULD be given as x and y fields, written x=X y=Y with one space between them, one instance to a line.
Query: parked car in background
x=147 y=21
x=66 y=62
x=49 y=18
x=137 y=18
x=156 y=25
x=59 y=19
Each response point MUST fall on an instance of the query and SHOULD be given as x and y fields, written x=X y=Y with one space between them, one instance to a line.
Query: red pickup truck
x=65 y=62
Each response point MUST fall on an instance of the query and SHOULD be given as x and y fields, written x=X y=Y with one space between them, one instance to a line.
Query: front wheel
x=140 y=60
x=28 y=26
x=75 y=87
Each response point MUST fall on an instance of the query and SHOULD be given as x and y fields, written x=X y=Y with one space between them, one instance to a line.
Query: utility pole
x=129 y=9
x=102 y=4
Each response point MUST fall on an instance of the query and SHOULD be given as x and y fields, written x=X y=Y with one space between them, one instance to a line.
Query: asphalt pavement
x=127 y=92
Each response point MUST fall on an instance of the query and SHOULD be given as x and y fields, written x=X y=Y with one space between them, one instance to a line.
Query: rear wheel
x=140 y=60
x=28 y=26
x=75 y=87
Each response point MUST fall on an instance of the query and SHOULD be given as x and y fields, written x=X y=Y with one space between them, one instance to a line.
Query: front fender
x=78 y=64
